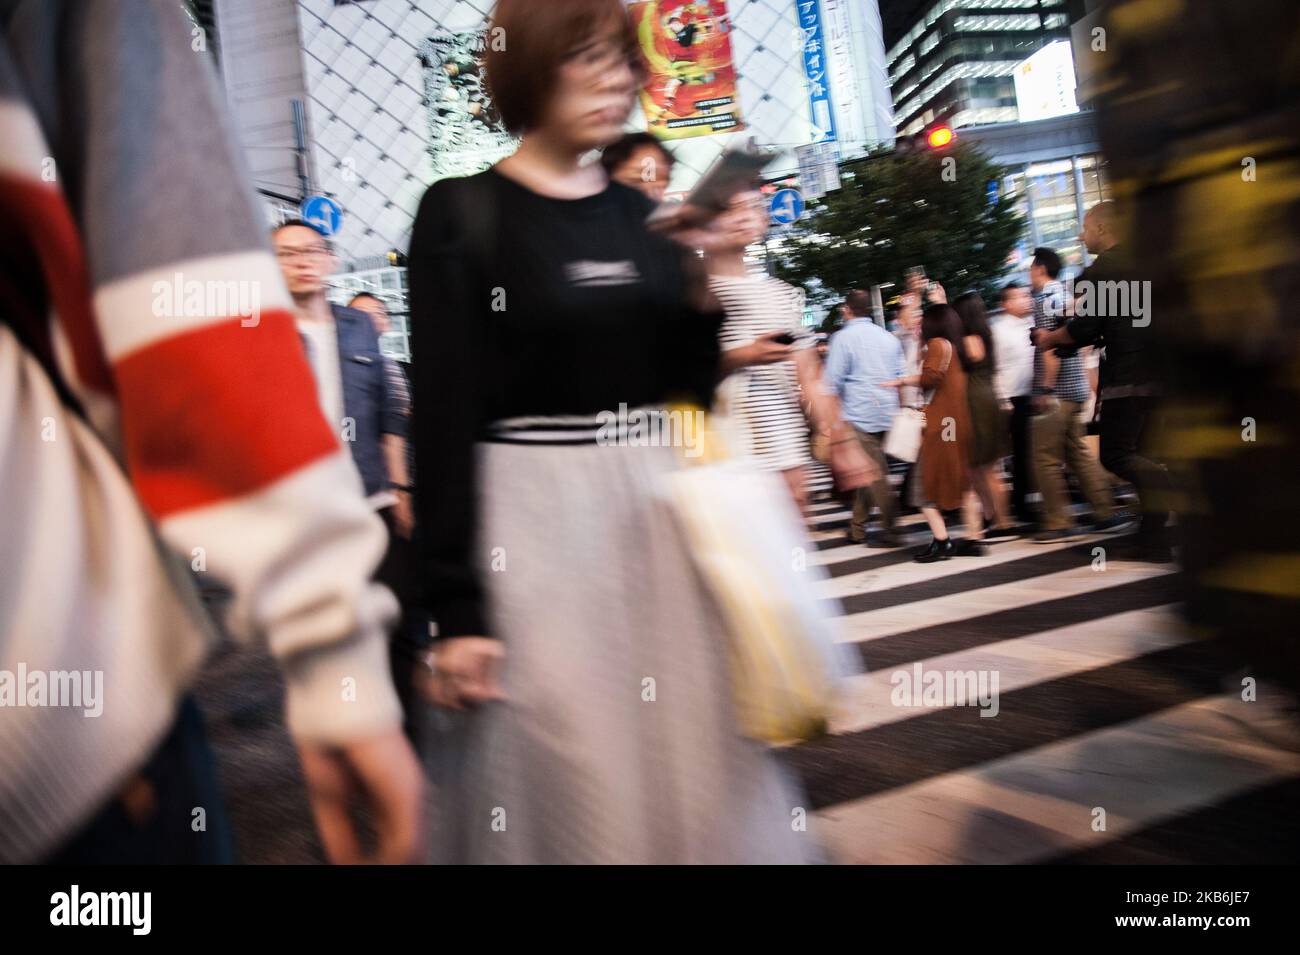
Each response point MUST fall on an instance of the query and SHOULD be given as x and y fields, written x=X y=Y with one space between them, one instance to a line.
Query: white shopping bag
x=749 y=545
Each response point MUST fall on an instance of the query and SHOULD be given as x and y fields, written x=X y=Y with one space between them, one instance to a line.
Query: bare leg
x=935 y=520
x=973 y=509
x=999 y=496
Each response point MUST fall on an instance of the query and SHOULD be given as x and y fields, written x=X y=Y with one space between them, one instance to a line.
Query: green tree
x=895 y=211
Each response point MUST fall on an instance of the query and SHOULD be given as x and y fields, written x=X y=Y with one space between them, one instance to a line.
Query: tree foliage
x=895 y=211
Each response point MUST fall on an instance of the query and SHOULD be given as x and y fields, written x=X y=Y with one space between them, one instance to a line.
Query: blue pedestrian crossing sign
x=323 y=213
x=786 y=207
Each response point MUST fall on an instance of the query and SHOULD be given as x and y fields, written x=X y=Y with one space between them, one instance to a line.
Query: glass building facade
x=955 y=63
x=1058 y=172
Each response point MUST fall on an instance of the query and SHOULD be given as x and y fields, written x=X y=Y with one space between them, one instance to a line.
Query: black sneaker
x=966 y=547
x=938 y=550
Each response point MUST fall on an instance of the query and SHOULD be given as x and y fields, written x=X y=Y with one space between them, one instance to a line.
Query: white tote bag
x=904 y=438
x=905 y=433
x=748 y=543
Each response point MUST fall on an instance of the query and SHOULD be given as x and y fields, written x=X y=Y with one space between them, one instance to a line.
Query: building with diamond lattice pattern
x=362 y=69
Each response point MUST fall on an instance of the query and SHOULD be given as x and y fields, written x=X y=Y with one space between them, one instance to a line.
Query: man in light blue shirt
x=862 y=355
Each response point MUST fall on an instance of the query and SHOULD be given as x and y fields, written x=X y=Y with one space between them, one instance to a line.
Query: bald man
x=1129 y=391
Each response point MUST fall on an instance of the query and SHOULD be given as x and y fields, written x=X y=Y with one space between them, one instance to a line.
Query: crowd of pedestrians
x=460 y=529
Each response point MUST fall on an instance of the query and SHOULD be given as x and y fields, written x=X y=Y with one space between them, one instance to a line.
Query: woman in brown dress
x=945 y=445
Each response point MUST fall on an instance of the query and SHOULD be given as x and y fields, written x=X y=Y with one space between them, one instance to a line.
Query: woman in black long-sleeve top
x=575 y=636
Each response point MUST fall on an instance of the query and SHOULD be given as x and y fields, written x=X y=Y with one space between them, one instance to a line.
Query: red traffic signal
x=940 y=136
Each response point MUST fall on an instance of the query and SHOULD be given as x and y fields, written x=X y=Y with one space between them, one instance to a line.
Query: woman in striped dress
x=773 y=391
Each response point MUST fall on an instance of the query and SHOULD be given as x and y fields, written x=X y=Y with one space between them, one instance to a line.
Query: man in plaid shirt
x=1056 y=431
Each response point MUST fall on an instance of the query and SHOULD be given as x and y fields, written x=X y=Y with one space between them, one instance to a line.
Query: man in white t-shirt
x=1014 y=353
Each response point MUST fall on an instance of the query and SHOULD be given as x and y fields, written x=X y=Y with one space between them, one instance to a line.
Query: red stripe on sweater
x=219 y=412
x=42 y=219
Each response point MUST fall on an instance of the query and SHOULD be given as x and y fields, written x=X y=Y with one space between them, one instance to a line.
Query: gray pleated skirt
x=617 y=743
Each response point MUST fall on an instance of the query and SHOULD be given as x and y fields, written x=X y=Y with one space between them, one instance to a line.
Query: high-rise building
x=953 y=62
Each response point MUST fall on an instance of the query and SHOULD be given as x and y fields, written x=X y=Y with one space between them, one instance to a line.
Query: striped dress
x=764 y=400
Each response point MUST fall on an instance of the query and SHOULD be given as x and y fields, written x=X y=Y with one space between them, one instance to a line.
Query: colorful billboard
x=690 y=87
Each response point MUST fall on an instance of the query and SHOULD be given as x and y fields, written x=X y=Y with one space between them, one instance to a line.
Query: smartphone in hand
x=735 y=172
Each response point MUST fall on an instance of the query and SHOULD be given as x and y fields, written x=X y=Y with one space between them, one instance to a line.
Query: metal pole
x=300 y=147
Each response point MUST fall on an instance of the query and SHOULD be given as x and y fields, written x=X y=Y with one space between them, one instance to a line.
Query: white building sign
x=1045 y=83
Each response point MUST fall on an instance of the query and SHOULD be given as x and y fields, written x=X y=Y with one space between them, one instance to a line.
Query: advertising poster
x=815 y=65
x=690 y=87
x=465 y=133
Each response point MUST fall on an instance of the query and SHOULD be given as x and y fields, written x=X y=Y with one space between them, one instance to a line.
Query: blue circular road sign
x=786 y=207
x=323 y=213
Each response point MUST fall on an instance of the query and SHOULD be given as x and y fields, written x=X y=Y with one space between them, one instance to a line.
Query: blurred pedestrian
x=641 y=161
x=1128 y=389
x=774 y=385
x=863 y=358
x=1057 y=431
x=559 y=579
x=411 y=638
x=398 y=452
x=907 y=320
x=1198 y=126
x=1014 y=380
x=352 y=380
x=365 y=400
x=174 y=433
x=988 y=420
x=944 y=461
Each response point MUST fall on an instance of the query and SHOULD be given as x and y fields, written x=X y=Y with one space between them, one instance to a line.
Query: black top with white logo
x=524 y=305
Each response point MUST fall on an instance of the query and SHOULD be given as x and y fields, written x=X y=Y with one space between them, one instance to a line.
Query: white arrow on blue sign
x=786 y=207
x=323 y=213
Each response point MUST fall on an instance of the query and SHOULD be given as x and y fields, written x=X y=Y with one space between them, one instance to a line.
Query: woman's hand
x=465 y=672
x=936 y=294
x=766 y=350
x=731 y=231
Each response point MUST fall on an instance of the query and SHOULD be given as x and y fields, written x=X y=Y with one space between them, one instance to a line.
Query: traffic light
x=937 y=137
x=940 y=136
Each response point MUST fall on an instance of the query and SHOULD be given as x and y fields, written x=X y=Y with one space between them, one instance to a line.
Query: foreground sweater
x=158 y=423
